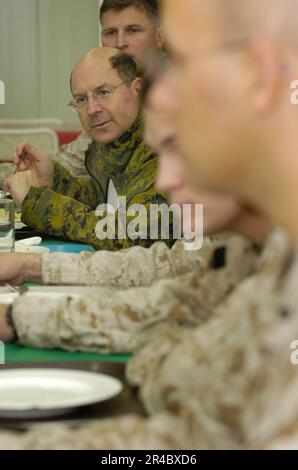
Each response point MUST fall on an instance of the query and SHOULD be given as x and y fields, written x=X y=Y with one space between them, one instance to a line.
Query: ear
x=267 y=75
x=136 y=85
x=159 y=37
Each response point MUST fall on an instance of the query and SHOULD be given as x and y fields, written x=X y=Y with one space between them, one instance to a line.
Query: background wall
x=40 y=40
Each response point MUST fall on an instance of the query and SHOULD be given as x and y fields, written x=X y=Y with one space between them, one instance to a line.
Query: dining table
x=19 y=353
x=18 y=356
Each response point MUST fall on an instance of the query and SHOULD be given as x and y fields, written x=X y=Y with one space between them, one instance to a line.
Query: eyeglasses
x=99 y=95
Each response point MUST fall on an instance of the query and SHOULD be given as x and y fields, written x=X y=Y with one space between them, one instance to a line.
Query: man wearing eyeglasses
x=106 y=96
x=133 y=27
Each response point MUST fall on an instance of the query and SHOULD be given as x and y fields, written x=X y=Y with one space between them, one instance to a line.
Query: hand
x=6 y=332
x=18 y=185
x=16 y=268
x=29 y=157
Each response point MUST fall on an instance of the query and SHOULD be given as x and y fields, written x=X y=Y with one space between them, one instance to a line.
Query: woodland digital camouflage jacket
x=68 y=209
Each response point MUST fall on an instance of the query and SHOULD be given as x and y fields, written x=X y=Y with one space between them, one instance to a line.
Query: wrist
x=32 y=267
x=46 y=182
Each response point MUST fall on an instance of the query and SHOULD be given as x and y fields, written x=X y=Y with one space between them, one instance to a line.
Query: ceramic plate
x=49 y=392
x=22 y=248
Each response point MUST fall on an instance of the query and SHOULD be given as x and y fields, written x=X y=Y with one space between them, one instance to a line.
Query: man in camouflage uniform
x=130 y=26
x=109 y=320
x=216 y=387
x=106 y=95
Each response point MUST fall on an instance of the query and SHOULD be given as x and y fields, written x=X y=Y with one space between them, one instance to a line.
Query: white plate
x=9 y=297
x=22 y=248
x=46 y=392
x=18 y=225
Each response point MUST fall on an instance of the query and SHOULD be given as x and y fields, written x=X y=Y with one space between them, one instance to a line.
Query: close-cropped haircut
x=275 y=19
x=124 y=65
x=149 y=7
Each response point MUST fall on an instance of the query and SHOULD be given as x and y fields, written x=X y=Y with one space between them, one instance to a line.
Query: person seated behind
x=132 y=26
x=106 y=95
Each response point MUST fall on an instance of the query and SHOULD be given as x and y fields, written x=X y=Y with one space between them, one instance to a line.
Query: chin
x=104 y=138
x=183 y=197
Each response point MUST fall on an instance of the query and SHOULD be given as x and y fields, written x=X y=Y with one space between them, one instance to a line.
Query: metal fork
x=21 y=290
x=22 y=157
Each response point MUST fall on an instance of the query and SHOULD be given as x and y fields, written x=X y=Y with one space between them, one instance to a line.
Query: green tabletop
x=17 y=353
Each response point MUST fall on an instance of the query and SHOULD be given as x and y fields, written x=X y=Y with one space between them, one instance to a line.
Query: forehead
x=91 y=73
x=190 y=23
x=127 y=16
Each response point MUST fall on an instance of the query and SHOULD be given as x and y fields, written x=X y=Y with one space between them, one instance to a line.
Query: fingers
x=17 y=187
x=26 y=155
x=6 y=185
x=20 y=150
x=10 y=187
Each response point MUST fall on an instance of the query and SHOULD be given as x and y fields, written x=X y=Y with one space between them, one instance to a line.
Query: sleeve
x=81 y=189
x=234 y=259
x=72 y=155
x=128 y=432
x=111 y=320
x=67 y=216
x=106 y=321
x=134 y=267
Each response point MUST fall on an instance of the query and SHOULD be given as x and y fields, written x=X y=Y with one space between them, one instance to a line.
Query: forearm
x=66 y=184
x=32 y=267
x=58 y=215
x=108 y=321
x=101 y=323
x=128 y=432
x=65 y=217
x=134 y=267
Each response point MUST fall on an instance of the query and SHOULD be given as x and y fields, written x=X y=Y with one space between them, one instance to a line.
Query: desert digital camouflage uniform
x=72 y=155
x=110 y=320
x=68 y=209
x=227 y=384
x=131 y=267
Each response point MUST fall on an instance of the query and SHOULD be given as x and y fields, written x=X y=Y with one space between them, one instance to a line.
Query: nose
x=93 y=106
x=169 y=175
x=162 y=93
x=121 y=41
